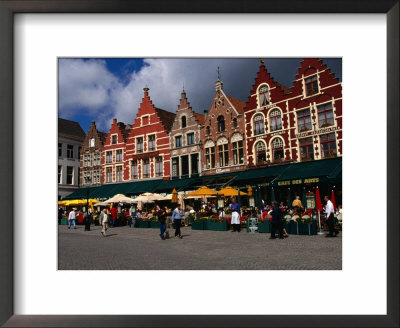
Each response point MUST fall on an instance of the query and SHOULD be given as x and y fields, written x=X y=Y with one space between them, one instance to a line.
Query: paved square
x=128 y=248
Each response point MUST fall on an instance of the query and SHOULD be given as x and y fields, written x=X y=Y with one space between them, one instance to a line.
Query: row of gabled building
x=276 y=125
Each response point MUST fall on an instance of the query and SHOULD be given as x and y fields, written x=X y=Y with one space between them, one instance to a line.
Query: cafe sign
x=297 y=181
x=320 y=131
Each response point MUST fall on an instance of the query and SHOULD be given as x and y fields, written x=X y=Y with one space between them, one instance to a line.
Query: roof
x=238 y=104
x=125 y=129
x=70 y=129
x=285 y=90
x=199 y=117
x=167 y=118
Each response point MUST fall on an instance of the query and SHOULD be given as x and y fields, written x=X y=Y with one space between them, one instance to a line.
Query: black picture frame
x=11 y=7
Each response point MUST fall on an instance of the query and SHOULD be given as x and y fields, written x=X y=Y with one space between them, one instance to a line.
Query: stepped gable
x=184 y=104
x=277 y=90
x=70 y=129
x=166 y=118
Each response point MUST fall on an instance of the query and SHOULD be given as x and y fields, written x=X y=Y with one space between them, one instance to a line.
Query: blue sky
x=99 y=89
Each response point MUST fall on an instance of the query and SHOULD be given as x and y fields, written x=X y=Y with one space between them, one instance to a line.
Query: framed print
x=29 y=301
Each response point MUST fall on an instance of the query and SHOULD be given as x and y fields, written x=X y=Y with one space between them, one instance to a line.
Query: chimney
x=146 y=91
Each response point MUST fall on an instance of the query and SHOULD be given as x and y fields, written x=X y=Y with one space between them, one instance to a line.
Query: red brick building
x=185 y=141
x=114 y=153
x=298 y=124
x=147 y=147
x=91 y=153
x=223 y=134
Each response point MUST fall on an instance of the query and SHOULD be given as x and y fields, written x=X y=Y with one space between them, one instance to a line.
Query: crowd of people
x=111 y=217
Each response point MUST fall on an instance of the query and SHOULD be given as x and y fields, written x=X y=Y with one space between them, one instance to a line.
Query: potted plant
x=143 y=223
x=264 y=225
x=154 y=222
x=199 y=223
x=217 y=224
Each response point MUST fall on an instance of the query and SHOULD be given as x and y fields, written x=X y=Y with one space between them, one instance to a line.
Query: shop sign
x=297 y=181
x=320 y=131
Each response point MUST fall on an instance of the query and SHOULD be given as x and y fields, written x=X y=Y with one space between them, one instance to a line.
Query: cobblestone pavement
x=127 y=248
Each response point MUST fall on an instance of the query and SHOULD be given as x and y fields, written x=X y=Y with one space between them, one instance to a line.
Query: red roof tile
x=238 y=104
x=167 y=118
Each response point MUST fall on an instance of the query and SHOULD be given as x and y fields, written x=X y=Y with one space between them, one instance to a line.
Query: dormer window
x=91 y=142
x=311 y=84
x=183 y=122
x=263 y=96
x=114 y=139
x=145 y=120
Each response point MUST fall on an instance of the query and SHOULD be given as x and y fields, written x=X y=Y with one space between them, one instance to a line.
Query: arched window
x=237 y=148
x=277 y=149
x=210 y=154
x=275 y=119
x=261 y=155
x=183 y=122
x=263 y=96
x=221 y=123
x=258 y=123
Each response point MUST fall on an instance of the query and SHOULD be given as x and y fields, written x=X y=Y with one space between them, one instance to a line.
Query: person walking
x=162 y=219
x=177 y=218
x=329 y=210
x=276 y=221
x=103 y=222
x=235 y=220
x=72 y=218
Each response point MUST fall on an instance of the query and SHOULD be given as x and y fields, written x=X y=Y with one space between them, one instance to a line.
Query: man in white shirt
x=329 y=210
x=71 y=218
x=103 y=222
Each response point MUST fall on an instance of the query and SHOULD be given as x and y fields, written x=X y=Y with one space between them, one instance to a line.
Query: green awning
x=179 y=184
x=81 y=193
x=309 y=172
x=260 y=175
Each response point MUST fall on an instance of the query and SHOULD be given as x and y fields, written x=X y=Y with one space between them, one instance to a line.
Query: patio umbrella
x=229 y=192
x=148 y=197
x=201 y=192
x=101 y=204
x=62 y=202
x=73 y=202
x=174 y=198
x=318 y=200
x=249 y=192
x=119 y=198
x=333 y=199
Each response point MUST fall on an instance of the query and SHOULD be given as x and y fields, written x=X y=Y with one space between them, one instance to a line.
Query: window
x=59 y=149
x=118 y=176
x=114 y=139
x=145 y=120
x=184 y=166
x=134 y=169
x=109 y=174
x=118 y=157
x=306 y=149
x=304 y=120
x=311 y=85
x=261 y=155
x=146 y=168
x=109 y=157
x=159 y=166
x=86 y=177
x=70 y=151
x=190 y=138
x=277 y=148
x=223 y=155
x=325 y=115
x=70 y=174
x=152 y=142
x=194 y=158
x=208 y=131
x=328 y=145
x=59 y=173
x=263 y=96
x=258 y=124
x=183 y=122
x=86 y=160
x=139 y=145
x=210 y=157
x=235 y=122
x=96 y=177
x=96 y=158
x=79 y=152
x=221 y=123
x=175 y=166
x=178 y=141
x=91 y=142
x=275 y=119
x=237 y=152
